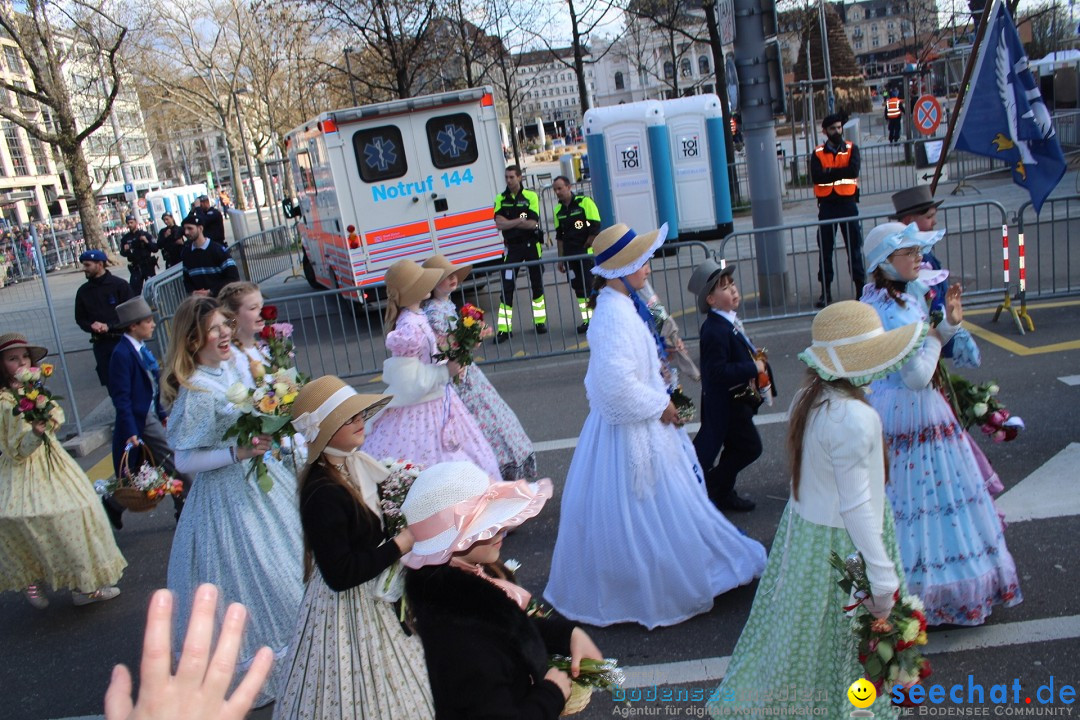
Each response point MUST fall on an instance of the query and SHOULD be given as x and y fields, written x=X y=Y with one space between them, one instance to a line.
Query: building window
x=703 y=65
x=14 y=61
x=669 y=70
x=37 y=148
x=685 y=68
x=15 y=149
x=620 y=84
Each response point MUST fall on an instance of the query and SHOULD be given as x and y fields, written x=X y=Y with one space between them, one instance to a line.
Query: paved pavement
x=59 y=659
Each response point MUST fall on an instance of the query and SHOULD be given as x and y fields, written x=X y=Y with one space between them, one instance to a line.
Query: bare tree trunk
x=239 y=191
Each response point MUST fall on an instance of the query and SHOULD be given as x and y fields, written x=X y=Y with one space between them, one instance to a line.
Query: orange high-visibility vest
x=892 y=108
x=733 y=126
x=830 y=161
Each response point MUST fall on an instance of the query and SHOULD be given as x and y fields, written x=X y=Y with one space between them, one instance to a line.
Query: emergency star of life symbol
x=452 y=140
x=380 y=154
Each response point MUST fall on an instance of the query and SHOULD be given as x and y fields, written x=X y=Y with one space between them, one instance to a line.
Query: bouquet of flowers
x=678 y=358
x=279 y=344
x=392 y=491
x=977 y=404
x=466 y=332
x=266 y=410
x=683 y=404
x=888 y=647
x=145 y=488
x=594 y=675
x=33 y=401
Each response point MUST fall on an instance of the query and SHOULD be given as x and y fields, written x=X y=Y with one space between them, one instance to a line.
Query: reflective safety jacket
x=893 y=108
x=576 y=223
x=526 y=204
x=835 y=173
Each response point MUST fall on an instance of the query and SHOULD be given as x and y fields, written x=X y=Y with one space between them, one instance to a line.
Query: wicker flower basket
x=132 y=498
x=578 y=700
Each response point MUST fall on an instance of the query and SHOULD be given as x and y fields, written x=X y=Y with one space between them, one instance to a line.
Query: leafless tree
x=53 y=37
x=679 y=27
x=1050 y=29
x=585 y=16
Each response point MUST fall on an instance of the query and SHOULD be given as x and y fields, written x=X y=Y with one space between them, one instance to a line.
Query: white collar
x=203 y=246
x=137 y=344
x=727 y=315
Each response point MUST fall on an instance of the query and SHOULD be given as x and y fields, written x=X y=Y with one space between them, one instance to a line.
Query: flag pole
x=980 y=33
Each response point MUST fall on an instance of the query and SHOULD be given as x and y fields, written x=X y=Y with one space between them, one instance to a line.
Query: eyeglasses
x=909 y=252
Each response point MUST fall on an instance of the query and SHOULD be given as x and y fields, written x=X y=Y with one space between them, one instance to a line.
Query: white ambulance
x=401 y=179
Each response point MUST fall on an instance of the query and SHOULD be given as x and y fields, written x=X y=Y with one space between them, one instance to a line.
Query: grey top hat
x=915 y=200
x=704 y=279
x=132 y=311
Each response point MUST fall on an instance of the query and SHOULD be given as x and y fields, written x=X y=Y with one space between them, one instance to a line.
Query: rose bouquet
x=977 y=404
x=266 y=410
x=466 y=332
x=888 y=647
x=683 y=404
x=279 y=344
x=392 y=491
x=33 y=401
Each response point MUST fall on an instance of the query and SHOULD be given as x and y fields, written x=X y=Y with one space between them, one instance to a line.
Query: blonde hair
x=188 y=335
x=391 y=316
x=232 y=295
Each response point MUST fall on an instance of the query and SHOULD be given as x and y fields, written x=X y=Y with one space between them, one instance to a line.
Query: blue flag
x=1004 y=116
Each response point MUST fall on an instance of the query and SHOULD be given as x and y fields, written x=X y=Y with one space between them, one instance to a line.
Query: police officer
x=517 y=215
x=171 y=240
x=894 y=111
x=213 y=223
x=834 y=170
x=95 y=308
x=139 y=246
x=577 y=221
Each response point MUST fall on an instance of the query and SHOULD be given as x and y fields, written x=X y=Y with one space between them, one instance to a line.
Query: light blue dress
x=639 y=541
x=951 y=538
x=232 y=534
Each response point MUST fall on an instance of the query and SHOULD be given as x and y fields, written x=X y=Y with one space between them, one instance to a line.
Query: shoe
x=115 y=511
x=106 y=593
x=734 y=503
x=541 y=328
x=583 y=328
x=502 y=336
x=36 y=597
x=823 y=301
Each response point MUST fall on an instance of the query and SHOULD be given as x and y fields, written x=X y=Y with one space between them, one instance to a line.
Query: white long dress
x=639 y=541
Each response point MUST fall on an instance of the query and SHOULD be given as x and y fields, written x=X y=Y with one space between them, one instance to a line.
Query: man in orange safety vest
x=894 y=110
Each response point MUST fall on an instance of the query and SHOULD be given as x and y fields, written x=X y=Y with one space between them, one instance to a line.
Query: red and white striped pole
x=1020 y=261
x=1005 y=255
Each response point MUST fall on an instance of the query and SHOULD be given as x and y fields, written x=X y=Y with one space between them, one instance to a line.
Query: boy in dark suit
x=134 y=386
x=729 y=392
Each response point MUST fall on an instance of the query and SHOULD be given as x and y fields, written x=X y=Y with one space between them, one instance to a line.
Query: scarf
x=365 y=472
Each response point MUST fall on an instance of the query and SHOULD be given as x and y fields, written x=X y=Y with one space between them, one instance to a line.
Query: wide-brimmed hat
x=850 y=343
x=619 y=251
x=132 y=311
x=323 y=405
x=407 y=283
x=11 y=341
x=887 y=238
x=453 y=505
x=931 y=276
x=704 y=279
x=443 y=264
x=913 y=201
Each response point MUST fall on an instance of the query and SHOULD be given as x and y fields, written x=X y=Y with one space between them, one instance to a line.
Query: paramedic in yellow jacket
x=577 y=222
x=517 y=215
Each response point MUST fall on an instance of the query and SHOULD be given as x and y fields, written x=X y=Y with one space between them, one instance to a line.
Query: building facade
x=548 y=91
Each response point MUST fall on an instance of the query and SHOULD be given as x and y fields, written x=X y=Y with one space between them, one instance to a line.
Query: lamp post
x=352 y=81
x=247 y=154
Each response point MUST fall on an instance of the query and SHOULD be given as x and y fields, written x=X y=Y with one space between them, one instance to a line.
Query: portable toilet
x=177 y=201
x=630 y=166
x=695 y=127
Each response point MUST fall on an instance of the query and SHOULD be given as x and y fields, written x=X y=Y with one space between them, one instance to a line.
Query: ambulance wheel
x=309 y=274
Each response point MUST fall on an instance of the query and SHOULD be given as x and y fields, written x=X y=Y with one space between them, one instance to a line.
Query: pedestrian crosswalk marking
x=1048 y=492
x=1070 y=380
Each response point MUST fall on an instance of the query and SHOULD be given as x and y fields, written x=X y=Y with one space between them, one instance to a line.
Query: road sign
x=129 y=187
x=141 y=202
x=927 y=114
x=725 y=18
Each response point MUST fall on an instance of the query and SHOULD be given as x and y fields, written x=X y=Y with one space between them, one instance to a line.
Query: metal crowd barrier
x=971 y=251
x=1052 y=263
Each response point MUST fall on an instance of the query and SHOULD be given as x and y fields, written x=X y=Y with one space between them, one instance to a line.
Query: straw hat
x=132 y=311
x=619 y=251
x=704 y=279
x=11 y=341
x=407 y=283
x=441 y=262
x=850 y=343
x=887 y=238
x=324 y=405
x=913 y=201
x=453 y=505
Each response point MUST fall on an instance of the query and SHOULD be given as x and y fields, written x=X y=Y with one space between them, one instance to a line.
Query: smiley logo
x=862 y=694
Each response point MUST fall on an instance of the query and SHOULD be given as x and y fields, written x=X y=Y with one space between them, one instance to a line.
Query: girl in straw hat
x=636 y=519
x=497 y=421
x=349 y=657
x=950 y=536
x=486 y=657
x=426 y=422
x=53 y=529
x=798 y=633
x=232 y=534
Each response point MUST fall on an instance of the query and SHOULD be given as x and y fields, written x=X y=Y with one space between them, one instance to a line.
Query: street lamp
x=352 y=81
x=247 y=154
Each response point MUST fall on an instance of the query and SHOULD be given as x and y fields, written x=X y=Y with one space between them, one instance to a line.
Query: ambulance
x=400 y=179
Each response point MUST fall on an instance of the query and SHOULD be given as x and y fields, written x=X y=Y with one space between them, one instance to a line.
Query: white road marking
x=1070 y=379
x=1048 y=492
x=567 y=443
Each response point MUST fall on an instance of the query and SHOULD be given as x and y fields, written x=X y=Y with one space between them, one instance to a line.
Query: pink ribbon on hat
x=518 y=594
x=461 y=515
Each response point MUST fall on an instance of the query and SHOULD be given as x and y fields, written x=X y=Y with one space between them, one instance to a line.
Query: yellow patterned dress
x=53 y=529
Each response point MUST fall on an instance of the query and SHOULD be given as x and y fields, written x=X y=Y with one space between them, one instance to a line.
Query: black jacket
x=727 y=365
x=171 y=242
x=139 y=246
x=96 y=301
x=213 y=223
x=345 y=537
x=486 y=659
